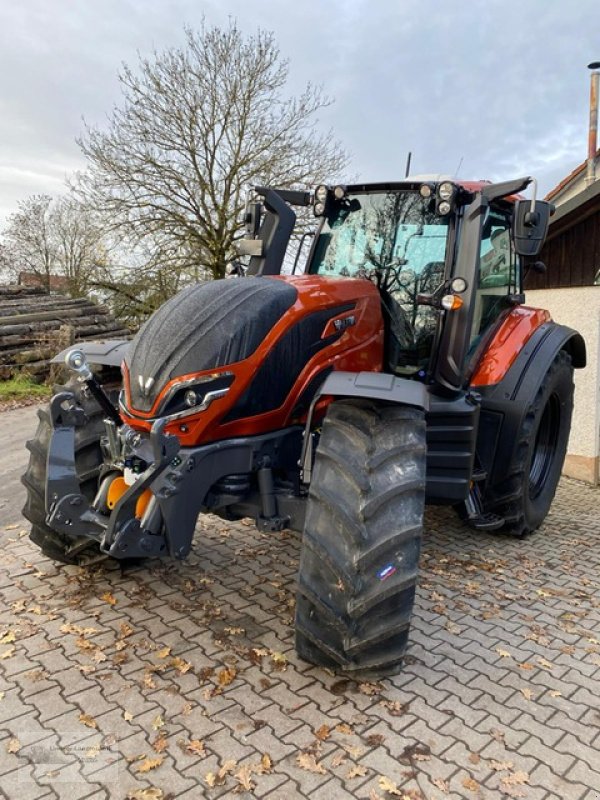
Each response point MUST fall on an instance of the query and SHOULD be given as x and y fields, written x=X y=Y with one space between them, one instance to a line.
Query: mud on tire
x=88 y=459
x=361 y=542
x=524 y=495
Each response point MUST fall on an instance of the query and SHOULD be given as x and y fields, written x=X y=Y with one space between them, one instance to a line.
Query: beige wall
x=579 y=308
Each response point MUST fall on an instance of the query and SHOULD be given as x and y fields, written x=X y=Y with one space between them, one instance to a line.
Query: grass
x=23 y=388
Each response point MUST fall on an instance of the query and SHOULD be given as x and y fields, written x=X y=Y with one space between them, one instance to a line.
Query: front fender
x=376 y=386
x=110 y=353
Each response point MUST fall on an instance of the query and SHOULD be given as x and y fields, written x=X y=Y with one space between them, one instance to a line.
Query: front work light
x=446 y=190
x=426 y=190
x=444 y=208
x=321 y=193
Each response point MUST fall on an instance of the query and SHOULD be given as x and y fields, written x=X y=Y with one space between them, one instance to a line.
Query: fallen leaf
x=150 y=793
x=527 y=693
x=470 y=784
x=370 y=689
x=266 y=764
x=244 y=778
x=555 y=693
x=158 y=722
x=515 y=778
x=279 y=660
x=545 y=663
x=11 y=527
x=323 y=733
x=500 y=766
x=159 y=745
x=526 y=666
x=503 y=653
x=13 y=745
x=109 y=598
x=125 y=630
x=150 y=763
x=195 y=747
x=443 y=786
x=338 y=759
x=92 y=752
x=346 y=730
x=88 y=720
x=474 y=758
x=386 y=785
x=180 y=665
x=308 y=762
x=8 y=637
x=226 y=676
x=375 y=739
x=8 y=653
x=357 y=771
x=127 y=716
x=164 y=652
x=395 y=707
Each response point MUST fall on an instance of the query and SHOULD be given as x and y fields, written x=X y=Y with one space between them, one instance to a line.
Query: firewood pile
x=35 y=325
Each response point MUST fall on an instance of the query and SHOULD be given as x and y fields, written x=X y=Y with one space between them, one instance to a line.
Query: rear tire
x=525 y=495
x=361 y=544
x=88 y=460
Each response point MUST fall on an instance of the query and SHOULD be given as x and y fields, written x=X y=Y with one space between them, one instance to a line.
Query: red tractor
x=401 y=368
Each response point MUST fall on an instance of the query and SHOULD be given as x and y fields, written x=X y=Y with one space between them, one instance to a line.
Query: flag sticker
x=386 y=572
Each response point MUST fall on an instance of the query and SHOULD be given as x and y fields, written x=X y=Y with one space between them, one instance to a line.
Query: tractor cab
x=445 y=256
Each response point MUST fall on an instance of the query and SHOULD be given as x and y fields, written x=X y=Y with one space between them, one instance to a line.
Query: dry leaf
x=244 y=777
x=389 y=786
x=125 y=630
x=13 y=745
x=150 y=763
x=470 y=784
x=555 y=693
x=338 y=759
x=195 y=747
x=443 y=786
x=500 y=766
x=527 y=693
x=323 y=733
x=150 y=793
x=88 y=720
x=370 y=689
x=226 y=676
x=8 y=653
x=515 y=778
x=474 y=758
x=266 y=764
x=279 y=660
x=164 y=652
x=180 y=665
x=11 y=527
x=92 y=752
x=159 y=745
x=344 y=729
x=158 y=722
x=357 y=771
x=395 y=707
x=127 y=716
x=503 y=653
x=7 y=637
x=545 y=663
x=526 y=666
x=308 y=762
x=109 y=598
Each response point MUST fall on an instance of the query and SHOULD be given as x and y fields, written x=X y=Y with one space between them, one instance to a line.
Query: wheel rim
x=544 y=449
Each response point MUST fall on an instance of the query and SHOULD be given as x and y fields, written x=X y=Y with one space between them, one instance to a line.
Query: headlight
x=446 y=190
x=321 y=193
x=444 y=207
x=319 y=209
x=458 y=285
x=339 y=192
x=426 y=190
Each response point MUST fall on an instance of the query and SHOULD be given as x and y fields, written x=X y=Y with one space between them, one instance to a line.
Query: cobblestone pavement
x=179 y=680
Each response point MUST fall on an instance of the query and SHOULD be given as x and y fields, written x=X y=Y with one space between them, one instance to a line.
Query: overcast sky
x=483 y=89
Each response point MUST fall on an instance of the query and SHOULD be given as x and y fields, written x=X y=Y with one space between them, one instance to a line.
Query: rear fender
x=505 y=403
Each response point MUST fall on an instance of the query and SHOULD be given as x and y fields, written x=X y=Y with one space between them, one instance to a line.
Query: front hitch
x=70 y=512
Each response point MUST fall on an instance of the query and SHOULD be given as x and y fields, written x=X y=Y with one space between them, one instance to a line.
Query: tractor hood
x=204 y=327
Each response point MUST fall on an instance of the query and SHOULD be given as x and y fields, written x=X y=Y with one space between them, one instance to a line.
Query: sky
x=480 y=89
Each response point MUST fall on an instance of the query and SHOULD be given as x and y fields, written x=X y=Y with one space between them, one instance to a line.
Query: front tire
x=524 y=495
x=361 y=544
x=88 y=460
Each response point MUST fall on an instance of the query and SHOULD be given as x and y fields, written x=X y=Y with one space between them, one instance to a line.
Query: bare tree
x=54 y=237
x=195 y=126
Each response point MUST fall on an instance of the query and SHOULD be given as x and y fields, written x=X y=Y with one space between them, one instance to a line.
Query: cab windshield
x=396 y=239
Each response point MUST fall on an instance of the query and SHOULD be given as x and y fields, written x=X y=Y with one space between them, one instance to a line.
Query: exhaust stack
x=590 y=175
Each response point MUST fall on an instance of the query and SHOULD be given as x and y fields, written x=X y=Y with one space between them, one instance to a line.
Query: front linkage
x=155 y=515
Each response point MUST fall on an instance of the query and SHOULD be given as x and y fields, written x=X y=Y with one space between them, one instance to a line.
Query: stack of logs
x=35 y=325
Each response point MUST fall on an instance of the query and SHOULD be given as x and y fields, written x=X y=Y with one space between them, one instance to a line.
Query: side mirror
x=530 y=226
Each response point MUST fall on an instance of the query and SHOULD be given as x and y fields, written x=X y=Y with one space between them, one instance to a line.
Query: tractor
x=402 y=367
